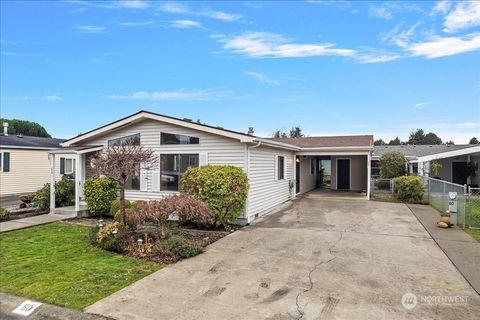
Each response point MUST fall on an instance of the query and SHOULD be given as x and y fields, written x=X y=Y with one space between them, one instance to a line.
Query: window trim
x=133 y=135
x=179 y=165
x=73 y=161
x=277 y=171
x=178 y=144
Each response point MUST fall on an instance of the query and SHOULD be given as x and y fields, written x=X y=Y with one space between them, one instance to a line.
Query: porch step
x=71 y=210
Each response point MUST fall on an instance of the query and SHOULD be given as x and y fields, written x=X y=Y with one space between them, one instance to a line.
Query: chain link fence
x=381 y=188
x=473 y=208
x=437 y=192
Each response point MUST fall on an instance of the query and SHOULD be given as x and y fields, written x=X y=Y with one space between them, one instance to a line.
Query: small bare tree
x=120 y=161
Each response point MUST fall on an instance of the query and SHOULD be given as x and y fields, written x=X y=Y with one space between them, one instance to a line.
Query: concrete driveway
x=321 y=258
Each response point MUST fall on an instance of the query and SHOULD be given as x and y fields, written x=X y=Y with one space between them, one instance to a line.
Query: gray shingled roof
x=418 y=150
x=26 y=142
x=328 y=141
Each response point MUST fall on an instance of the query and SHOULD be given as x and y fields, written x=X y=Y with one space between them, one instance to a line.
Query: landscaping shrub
x=409 y=189
x=99 y=192
x=392 y=164
x=155 y=211
x=112 y=237
x=4 y=214
x=224 y=188
x=191 y=210
x=116 y=206
x=382 y=184
x=64 y=195
x=176 y=247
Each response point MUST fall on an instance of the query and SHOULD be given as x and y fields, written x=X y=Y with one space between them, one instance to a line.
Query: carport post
x=369 y=174
x=51 y=158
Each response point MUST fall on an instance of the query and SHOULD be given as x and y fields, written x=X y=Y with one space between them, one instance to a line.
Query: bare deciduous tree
x=120 y=161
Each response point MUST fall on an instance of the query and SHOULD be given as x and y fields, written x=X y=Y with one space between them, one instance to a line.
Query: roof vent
x=250 y=131
x=186 y=119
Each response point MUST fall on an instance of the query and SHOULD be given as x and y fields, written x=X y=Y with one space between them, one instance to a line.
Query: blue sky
x=340 y=67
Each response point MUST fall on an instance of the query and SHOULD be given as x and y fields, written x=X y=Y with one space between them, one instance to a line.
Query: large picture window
x=172 y=168
x=134 y=137
x=169 y=138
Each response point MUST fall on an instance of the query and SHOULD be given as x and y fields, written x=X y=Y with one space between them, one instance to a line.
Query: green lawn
x=475 y=234
x=54 y=263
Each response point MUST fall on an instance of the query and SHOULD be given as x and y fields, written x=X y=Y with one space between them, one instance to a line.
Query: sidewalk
x=33 y=221
x=460 y=248
x=8 y=303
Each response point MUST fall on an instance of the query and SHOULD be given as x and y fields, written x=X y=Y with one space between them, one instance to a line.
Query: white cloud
x=445 y=46
x=176 y=8
x=262 y=78
x=53 y=97
x=468 y=125
x=263 y=44
x=380 y=12
x=119 y=4
x=16 y=54
x=133 y=4
x=441 y=7
x=91 y=29
x=419 y=105
x=367 y=58
x=136 y=24
x=181 y=94
x=184 y=24
x=466 y=14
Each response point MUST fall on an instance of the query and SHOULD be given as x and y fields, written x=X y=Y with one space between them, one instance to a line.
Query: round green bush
x=224 y=188
x=4 y=214
x=176 y=247
x=392 y=164
x=116 y=206
x=409 y=189
x=99 y=192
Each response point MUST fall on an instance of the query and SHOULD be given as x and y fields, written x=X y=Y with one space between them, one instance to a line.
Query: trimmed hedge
x=99 y=192
x=409 y=189
x=224 y=188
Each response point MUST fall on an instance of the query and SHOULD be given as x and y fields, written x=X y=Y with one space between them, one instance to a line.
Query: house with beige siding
x=278 y=169
x=24 y=164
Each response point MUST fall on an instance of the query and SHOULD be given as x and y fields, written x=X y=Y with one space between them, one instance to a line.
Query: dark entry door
x=459 y=172
x=343 y=174
x=297 y=170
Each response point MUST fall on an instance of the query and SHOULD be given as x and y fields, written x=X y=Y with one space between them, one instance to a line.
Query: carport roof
x=416 y=151
x=329 y=141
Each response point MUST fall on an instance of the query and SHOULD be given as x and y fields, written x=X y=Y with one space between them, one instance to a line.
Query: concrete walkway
x=8 y=303
x=33 y=221
x=461 y=249
x=321 y=258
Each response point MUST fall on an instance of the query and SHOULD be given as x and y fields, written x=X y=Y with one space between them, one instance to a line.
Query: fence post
x=444 y=196
x=465 y=204
x=428 y=190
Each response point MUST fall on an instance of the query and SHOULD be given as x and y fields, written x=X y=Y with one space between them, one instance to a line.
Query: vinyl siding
x=266 y=191
x=308 y=181
x=219 y=150
x=29 y=171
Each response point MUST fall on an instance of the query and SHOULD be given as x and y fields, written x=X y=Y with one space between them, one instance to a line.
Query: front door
x=459 y=172
x=343 y=174
x=297 y=170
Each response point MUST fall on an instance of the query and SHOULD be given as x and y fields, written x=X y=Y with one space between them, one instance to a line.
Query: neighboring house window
x=172 y=168
x=169 y=138
x=280 y=168
x=134 y=137
x=312 y=166
x=69 y=166
x=6 y=162
x=133 y=182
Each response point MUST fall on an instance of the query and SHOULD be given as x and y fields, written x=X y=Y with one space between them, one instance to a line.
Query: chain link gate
x=473 y=207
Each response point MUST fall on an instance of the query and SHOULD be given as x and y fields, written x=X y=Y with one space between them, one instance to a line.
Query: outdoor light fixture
x=100 y=223
x=140 y=241
x=298 y=159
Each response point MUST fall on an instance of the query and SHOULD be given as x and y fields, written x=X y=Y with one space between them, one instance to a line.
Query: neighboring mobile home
x=24 y=166
x=277 y=169
x=459 y=163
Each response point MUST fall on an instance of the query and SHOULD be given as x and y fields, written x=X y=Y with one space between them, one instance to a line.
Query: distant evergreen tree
x=296 y=132
x=379 y=142
x=24 y=127
x=474 y=140
x=395 y=142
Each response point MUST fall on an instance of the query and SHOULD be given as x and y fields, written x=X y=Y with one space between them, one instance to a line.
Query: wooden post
x=51 y=159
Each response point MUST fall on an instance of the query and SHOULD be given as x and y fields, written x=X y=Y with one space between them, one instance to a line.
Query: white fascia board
x=146 y=115
x=275 y=144
x=448 y=154
x=369 y=148
x=333 y=153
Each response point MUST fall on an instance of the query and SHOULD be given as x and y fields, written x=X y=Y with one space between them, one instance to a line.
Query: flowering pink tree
x=120 y=161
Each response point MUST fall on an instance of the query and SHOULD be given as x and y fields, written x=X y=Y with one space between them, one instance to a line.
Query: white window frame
x=284 y=167
x=73 y=162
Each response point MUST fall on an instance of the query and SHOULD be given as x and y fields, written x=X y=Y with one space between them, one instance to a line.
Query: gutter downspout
x=259 y=143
